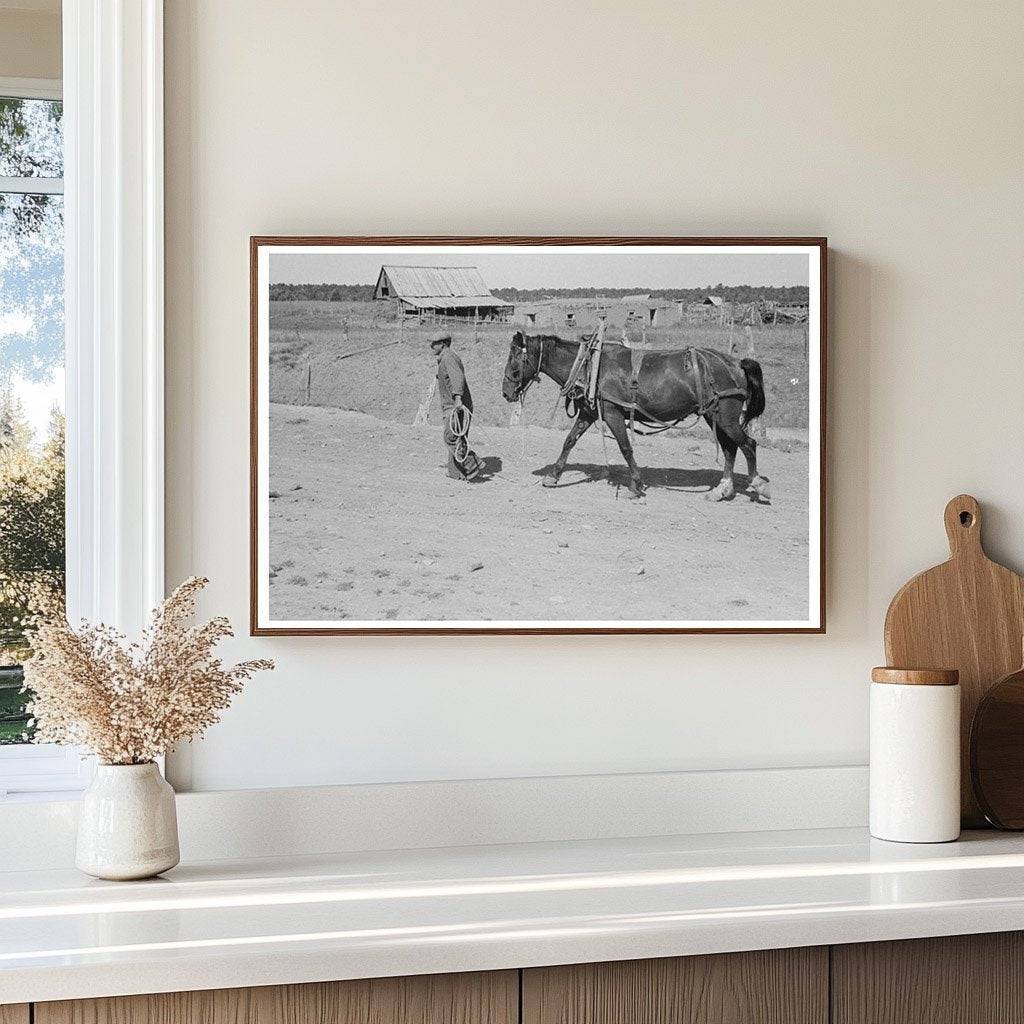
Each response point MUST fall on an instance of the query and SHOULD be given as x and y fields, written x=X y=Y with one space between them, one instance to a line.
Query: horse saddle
x=578 y=385
x=636 y=362
x=579 y=374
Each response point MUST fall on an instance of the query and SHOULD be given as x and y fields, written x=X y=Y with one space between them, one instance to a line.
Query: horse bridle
x=523 y=352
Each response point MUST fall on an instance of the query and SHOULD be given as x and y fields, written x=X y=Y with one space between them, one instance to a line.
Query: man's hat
x=439 y=337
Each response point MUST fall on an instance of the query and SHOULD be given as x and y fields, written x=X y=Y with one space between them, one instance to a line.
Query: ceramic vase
x=127 y=825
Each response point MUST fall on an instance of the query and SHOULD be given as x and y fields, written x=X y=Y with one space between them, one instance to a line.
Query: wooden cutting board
x=967 y=614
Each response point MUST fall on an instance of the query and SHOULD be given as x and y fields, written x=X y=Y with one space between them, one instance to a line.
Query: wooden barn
x=432 y=292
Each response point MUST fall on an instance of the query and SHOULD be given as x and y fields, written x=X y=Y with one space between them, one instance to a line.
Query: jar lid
x=916 y=676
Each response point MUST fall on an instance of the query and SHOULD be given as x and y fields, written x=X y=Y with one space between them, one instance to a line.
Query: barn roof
x=487 y=301
x=450 y=287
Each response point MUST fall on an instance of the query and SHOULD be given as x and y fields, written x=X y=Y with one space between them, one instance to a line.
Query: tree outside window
x=31 y=387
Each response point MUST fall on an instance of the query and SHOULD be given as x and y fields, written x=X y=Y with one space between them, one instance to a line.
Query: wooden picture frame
x=402 y=248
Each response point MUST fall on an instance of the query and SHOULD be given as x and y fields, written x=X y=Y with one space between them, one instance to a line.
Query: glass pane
x=31 y=138
x=31 y=433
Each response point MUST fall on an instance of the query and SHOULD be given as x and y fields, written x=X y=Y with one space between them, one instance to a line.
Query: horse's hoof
x=759 y=490
x=720 y=493
x=549 y=481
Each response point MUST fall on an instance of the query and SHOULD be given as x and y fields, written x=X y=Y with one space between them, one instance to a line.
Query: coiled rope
x=458 y=425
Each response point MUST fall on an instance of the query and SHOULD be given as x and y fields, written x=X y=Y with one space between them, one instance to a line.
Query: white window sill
x=43 y=771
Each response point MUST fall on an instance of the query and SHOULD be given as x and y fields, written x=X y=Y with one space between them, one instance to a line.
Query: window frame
x=32 y=89
x=114 y=314
x=112 y=90
x=37 y=768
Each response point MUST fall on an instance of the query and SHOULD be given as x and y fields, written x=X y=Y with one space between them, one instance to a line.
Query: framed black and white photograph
x=537 y=435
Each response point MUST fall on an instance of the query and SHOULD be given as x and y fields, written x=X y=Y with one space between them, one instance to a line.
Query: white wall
x=895 y=129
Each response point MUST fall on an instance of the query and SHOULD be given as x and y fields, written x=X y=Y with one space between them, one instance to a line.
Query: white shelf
x=352 y=915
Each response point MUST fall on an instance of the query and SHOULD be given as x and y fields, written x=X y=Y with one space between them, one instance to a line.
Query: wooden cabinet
x=963 y=979
x=777 y=986
x=971 y=979
x=491 y=998
x=968 y=979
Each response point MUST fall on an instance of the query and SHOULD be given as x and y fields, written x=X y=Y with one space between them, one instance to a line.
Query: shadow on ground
x=670 y=479
x=490 y=466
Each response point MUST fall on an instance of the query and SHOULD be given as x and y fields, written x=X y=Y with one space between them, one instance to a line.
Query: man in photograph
x=454 y=391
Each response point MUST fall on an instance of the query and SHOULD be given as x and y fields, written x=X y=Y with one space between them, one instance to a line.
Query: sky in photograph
x=555 y=269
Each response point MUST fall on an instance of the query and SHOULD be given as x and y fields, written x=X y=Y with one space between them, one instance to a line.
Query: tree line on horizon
x=791 y=295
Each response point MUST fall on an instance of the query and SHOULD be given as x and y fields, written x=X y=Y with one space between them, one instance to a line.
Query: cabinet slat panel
x=14 y=1013
x=479 y=998
x=779 y=986
x=962 y=979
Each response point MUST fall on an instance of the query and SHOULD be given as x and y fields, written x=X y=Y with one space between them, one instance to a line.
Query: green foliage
x=32 y=550
x=32 y=505
x=14 y=727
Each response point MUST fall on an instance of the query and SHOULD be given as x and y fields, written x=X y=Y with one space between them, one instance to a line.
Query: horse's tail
x=755 y=389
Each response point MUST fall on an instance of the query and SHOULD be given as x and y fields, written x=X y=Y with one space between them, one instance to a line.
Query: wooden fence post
x=424 y=409
x=309 y=380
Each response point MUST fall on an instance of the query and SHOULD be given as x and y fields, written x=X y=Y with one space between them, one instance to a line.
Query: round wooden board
x=997 y=752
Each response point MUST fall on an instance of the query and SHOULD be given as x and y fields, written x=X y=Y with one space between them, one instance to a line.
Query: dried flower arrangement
x=129 y=703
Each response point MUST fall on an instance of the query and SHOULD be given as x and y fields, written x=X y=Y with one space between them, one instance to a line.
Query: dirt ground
x=365 y=525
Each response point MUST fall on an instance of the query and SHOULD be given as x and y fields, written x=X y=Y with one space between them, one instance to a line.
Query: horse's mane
x=548 y=337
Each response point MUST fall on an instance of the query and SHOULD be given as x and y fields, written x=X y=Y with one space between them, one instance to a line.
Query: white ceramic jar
x=127 y=824
x=915 y=755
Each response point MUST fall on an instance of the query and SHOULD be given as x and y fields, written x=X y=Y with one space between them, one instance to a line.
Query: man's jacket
x=451 y=380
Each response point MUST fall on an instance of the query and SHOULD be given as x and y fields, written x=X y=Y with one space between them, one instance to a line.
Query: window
x=108 y=208
x=32 y=549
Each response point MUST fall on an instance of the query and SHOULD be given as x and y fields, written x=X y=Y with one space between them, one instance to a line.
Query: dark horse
x=672 y=385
